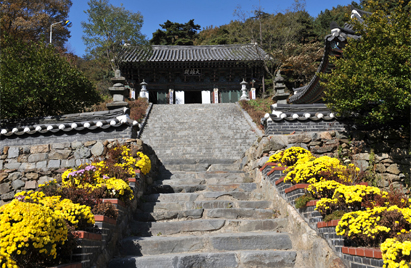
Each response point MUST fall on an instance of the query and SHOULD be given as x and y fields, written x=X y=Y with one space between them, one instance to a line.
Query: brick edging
x=363 y=252
x=268 y=164
x=296 y=187
x=323 y=224
x=103 y=218
x=311 y=203
x=87 y=235
x=280 y=180
x=276 y=168
x=114 y=201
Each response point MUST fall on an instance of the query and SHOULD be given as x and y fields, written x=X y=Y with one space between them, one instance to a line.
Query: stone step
x=242 y=187
x=199 y=227
x=216 y=213
x=250 y=258
x=141 y=246
x=175 y=206
x=220 y=195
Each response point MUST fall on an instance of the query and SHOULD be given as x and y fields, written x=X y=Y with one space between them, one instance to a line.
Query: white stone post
x=215 y=95
x=144 y=92
x=244 y=90
x=171 y=96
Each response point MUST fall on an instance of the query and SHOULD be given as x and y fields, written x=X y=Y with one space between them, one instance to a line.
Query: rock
x=43 y=148
x=324 y=149
x=68 y=163
x=97 y=149
x=300 y=138
x=1 y=164
x=362 y=156
x=325 y=135
x=60 y=145
x=59 y=154
x=44 y=179
x=30 y=185
x=17 y=184
x=315 y=143
x=37 y=157
x=32 y=176
x=7 y=196
x=14 y=176
x=13 y=152
x=394 y=169
x=6 y=149
x=53 y=164
x=3 y=176
x=362 y=164
x=12 y=165
x=4 y=188
x=41 y=165
x=26 y=149
x=76 y=144
x=380 y=168
x=89 y=143
x=82 y=152
x=262 y=161
x=22 y=158
x=27 y=166
x=387 y=161
x=390 y=177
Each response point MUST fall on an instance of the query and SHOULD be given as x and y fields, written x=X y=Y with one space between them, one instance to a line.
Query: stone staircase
x=202 y=211
x=196 y=136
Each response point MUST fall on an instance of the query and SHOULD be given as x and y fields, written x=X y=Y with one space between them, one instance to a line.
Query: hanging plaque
x=192 y=72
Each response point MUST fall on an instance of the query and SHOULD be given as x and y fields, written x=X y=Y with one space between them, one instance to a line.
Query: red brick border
x=311 y=203
x=363 y=252
x=276 y=168
x=268 y=164
x=114 y=201
x=323 y=224
x=105 y=219
x=87 y=235
x=132 y=179
x=280 y=180
x=296 y=187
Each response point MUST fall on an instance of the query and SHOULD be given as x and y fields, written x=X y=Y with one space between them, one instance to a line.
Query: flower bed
x=59 y=223
x=362 y=216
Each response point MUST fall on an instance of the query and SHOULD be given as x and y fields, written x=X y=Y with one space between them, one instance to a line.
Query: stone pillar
x=253 y=95
x=118 y=91
x=244 y=90
x=143 y=91
x=215 y=91
x=279 y=86
x=171 y=96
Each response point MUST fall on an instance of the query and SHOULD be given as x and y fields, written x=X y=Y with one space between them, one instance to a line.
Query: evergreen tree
x=175 y=33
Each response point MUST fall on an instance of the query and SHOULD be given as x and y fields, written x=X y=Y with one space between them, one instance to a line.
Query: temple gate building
x=194 y=74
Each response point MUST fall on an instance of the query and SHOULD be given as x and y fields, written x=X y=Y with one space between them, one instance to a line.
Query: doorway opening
x=192 y=97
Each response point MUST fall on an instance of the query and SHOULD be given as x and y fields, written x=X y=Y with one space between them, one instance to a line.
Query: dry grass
x=257 y=109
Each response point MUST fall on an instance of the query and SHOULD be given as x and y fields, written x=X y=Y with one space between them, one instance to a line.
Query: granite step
x=175 y=206
x=220 y=195
x=191 y=188
x=141 y=246
x=203 y=226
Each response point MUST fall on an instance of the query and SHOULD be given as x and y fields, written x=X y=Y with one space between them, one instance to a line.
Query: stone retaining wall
x=385 y=154
x=25 y=167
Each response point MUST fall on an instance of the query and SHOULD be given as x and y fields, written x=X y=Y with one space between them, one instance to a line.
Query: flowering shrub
x=312 y=171
x=373 y=226
x=396 y=251
x=291 y=156
x=29 y=233
x=91 y=178
x=323 y=189
x=76 y=215
x=122 y=157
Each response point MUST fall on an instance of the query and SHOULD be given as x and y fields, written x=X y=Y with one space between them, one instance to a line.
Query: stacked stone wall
x=25 y=167
x=297 y=126
x=384 y=154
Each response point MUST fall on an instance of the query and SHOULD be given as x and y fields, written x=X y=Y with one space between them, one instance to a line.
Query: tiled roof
x=194 y=53
x=301 y=112
x=68 y=122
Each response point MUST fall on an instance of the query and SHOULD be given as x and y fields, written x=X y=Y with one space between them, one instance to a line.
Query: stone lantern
x=144 y=91
x=118 y=91
x=244 y=90
x=280 y=95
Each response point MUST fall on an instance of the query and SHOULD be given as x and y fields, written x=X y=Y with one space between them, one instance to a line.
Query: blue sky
x=204 y=13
